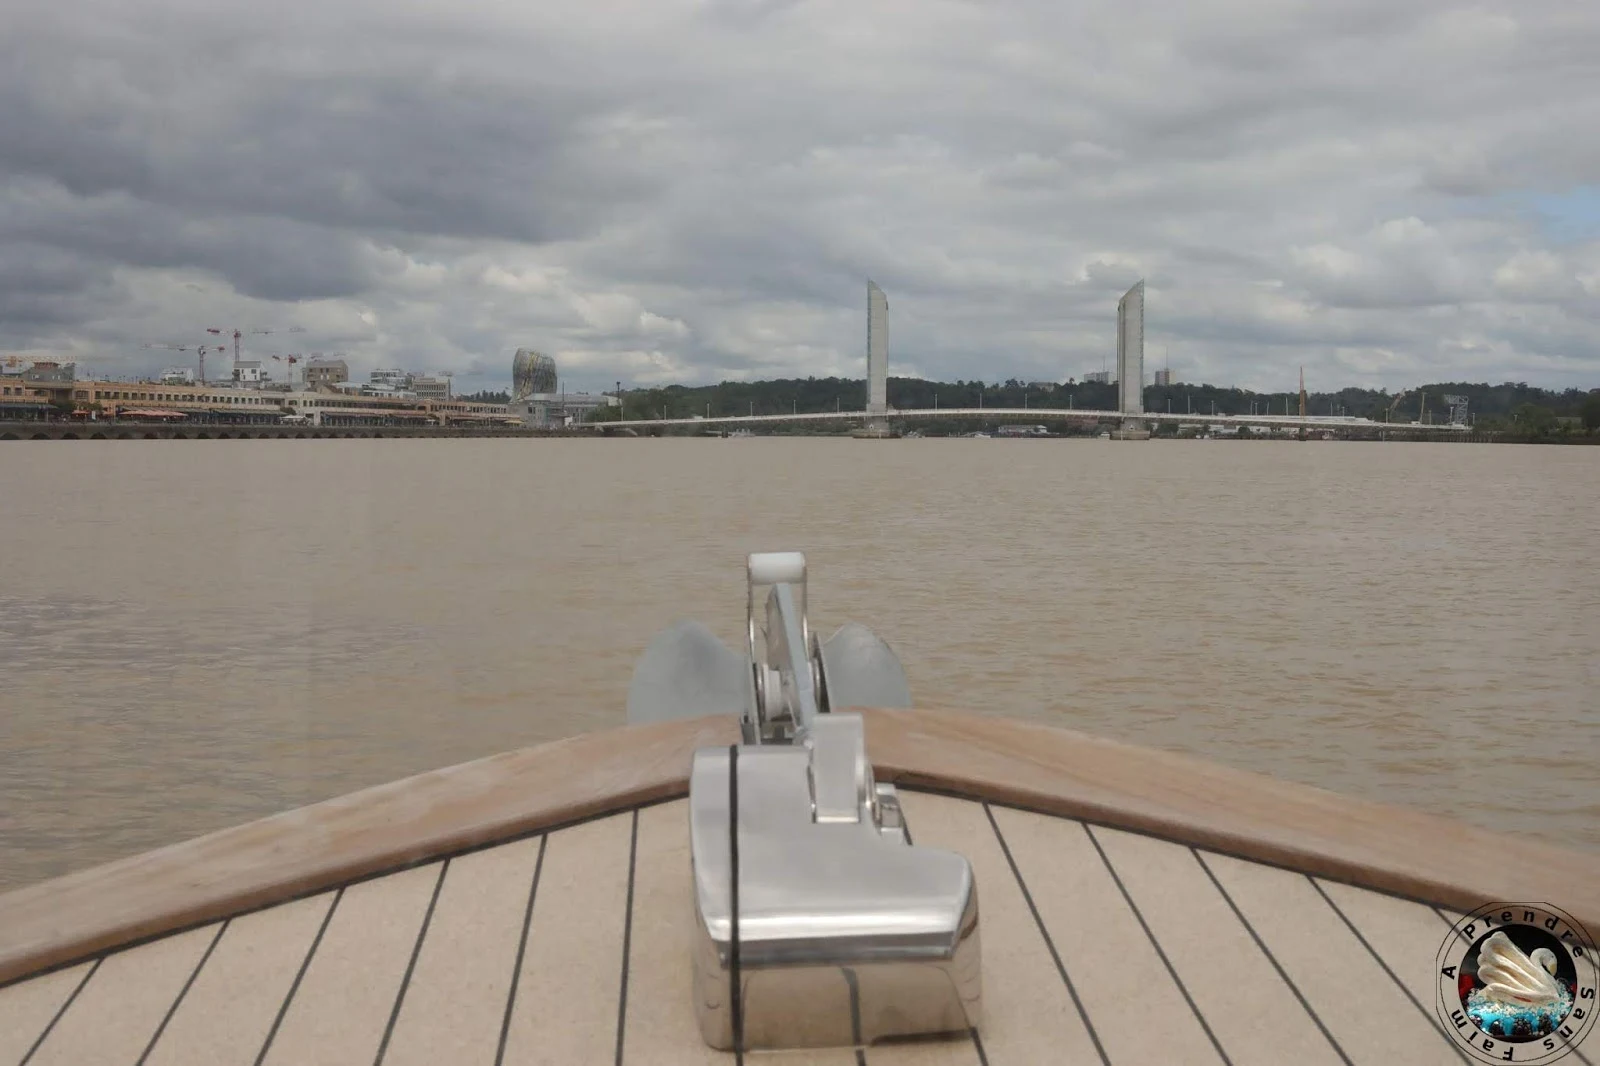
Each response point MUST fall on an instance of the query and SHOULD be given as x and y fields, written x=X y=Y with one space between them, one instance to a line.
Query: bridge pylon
x=876 y=425
x=1130 y=364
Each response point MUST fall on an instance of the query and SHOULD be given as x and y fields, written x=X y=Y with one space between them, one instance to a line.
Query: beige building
x=326 y=373
x=431 y=388
x=150 y=400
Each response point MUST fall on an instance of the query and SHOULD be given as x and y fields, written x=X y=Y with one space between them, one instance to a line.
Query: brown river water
x=194 y=634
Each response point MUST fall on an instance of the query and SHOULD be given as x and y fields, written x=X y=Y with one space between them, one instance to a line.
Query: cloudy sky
x=1386 y=191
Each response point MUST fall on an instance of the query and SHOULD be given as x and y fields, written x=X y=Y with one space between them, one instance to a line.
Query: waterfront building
x=430 y=387
x=532 y=374
x=537 y=398
x=167 y=401
x=325 y=373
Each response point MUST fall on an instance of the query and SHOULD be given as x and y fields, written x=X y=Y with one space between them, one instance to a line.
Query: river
x=193 y=634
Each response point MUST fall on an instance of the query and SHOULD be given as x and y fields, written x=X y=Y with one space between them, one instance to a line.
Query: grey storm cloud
x=685 y=190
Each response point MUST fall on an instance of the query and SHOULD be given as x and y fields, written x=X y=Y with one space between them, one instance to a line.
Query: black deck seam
x=61 y=1010
x=387 y=871
x=977 y=1042
x=1048 y=942
x=522 y=948
x=182 y=992
x=1433 y=1019
x=1149 y=933
x=627 y=938
x=294 y=986
x=411 y=964
x=1273 y=959
x=1451 y=922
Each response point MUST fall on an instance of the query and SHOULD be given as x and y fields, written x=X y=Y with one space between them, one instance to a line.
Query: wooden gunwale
x=1002 y=761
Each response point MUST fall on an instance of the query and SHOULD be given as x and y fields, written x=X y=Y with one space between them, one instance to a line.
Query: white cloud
x=696 y=189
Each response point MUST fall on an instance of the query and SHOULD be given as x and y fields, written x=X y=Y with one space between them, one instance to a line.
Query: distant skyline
x=687 y=191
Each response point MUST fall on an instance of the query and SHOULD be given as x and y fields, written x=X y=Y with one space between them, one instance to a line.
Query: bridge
x=1039 y=415
x=1130 y=418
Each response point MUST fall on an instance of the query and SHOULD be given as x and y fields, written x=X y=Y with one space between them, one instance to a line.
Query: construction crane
x=238 y=333
x=292 y=358
x=201 y=350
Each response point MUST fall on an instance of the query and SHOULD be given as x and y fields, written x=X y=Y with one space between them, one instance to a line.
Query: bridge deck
x=1042 y=415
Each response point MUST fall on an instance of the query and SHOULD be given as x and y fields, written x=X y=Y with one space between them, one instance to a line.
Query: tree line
x=1510 y=406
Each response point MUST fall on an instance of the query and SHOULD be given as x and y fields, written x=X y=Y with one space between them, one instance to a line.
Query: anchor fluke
x=860 y=670
x=686 y=672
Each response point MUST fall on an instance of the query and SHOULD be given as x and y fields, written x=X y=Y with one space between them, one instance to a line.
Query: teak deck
x=535 y=908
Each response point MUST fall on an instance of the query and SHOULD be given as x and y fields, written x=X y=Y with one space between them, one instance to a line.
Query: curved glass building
x=532 y=373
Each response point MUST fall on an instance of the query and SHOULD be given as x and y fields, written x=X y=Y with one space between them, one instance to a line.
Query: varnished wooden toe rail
x=347 y=838
x=1181 y=798
x=1060 y=772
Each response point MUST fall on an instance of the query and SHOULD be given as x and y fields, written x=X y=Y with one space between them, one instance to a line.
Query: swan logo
x=1518 y=983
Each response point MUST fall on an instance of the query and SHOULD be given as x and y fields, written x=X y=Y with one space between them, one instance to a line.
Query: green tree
x=1590 y=412
x=1535 y=419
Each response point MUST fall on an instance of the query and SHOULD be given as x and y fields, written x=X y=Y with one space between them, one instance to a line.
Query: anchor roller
x=818 y=923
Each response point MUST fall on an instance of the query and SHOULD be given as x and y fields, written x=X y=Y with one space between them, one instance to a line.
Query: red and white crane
x=292 y=358
x=238 y=333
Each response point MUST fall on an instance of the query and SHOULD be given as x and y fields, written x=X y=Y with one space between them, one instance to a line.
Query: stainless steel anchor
x=819 y=924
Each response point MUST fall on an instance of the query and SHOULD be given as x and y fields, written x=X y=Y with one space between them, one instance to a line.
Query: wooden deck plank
x=1028 y=1012
x=344 y=1002
x=27 y=1008
x=224 y=1018
x=116 y=1014
x=660 y=1024
x=1125 y=982
x=572 y=963
x=456 y=1000
x=1405 y=935
x=1253 y=1013
x=1369 y=1016
x=935 y=1051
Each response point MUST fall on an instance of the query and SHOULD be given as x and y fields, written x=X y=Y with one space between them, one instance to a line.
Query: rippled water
x=197 y=633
